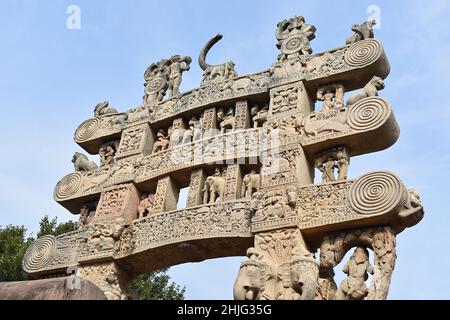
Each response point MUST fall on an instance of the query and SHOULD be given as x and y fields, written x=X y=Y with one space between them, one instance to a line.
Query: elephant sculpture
x=213 y=190
x=304 y=277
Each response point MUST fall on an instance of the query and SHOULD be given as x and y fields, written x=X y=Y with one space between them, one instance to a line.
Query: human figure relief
x=163 y=141
x=107 y=154
x=357 y=269
x=177 y=65
x=146 y=205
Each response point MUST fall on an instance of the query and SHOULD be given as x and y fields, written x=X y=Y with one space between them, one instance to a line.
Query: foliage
x=157 y=286
x=53 y=227
x=14 y=243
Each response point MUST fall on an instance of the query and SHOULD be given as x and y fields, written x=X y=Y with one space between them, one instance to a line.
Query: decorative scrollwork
x=363 y=53
x=68 y=186
x=39 y=254
x=377 y=193
x=87 y=129
x=368 y=114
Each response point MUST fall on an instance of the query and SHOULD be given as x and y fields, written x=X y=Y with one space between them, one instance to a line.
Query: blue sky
x=52 y=77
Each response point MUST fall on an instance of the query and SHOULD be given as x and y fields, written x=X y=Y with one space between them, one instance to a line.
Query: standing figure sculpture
x=107 y=154
x=194 y=133
x=177 y=65
x=357 y=269
x=163 y=141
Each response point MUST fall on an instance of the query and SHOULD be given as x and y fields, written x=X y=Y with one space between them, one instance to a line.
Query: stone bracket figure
x=357 y=270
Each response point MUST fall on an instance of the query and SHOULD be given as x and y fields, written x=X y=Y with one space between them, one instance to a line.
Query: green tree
x=55 y=228
x=157 y=286
x=14 y=243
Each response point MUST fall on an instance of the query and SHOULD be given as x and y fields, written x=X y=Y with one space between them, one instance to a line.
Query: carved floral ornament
x=268 y=205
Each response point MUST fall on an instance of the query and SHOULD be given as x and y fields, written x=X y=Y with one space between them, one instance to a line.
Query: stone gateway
x=247 y=147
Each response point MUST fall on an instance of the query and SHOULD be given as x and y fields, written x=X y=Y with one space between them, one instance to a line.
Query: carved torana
x=247 y=148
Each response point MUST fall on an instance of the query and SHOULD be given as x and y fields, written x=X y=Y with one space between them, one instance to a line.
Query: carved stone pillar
x=209 y=122
x=108 y=277
x=178 y=129
x=136 y=141
x=166 y=195
x=233 y=181
x=242 y=115
x=279 y=268
x=194 y=197
x=119 y=201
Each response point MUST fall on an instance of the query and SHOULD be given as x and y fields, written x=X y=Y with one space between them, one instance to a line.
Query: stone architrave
x=166 y=195
x=233 y=180
x=242 y=115
x=136 y=141
x=118 y=201
x=194 y=197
